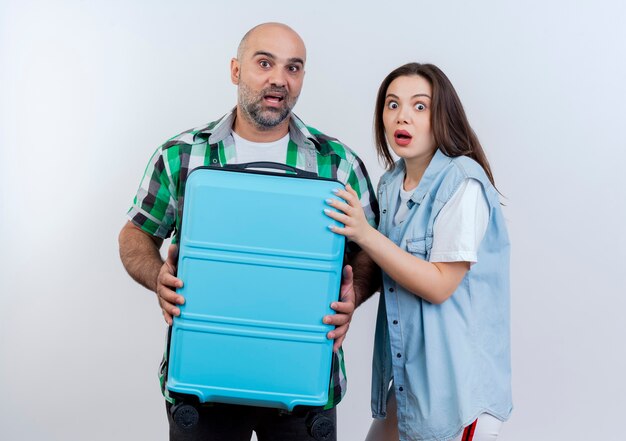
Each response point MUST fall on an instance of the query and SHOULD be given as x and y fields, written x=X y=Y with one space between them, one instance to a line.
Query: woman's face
x=406 y=117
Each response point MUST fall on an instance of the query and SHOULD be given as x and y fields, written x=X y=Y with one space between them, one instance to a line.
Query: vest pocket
x=419 y=246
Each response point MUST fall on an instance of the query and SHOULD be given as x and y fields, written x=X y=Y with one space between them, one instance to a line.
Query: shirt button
x=384 y=211
x=390 y=289
x=395 y=322
x=215 y=161
x=400 y=388
x=398 y=355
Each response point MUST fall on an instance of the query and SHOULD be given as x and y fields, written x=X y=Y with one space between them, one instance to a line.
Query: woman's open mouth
x=402 y=137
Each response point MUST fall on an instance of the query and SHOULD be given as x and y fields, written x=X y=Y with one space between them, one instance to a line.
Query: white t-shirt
x=460 y=226
x=248 y=151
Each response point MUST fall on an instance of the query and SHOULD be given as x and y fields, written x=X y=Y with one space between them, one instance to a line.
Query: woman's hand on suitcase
x=167 y=282
x=350 y=214
x=344 y=309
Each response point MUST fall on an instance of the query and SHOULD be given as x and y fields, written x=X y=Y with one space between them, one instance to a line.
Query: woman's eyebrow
x=391 y=95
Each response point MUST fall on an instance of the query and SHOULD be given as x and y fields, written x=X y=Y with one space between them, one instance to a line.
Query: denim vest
x=449 y=362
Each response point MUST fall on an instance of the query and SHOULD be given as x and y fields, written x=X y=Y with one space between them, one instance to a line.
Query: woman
x=442 y=337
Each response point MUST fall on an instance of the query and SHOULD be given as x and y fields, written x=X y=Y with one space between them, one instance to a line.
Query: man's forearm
x=367 y=276
x=140 y=255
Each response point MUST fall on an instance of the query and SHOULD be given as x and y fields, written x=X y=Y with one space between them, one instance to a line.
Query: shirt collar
x=435 y=166
x=437 y=163
x=221 y=129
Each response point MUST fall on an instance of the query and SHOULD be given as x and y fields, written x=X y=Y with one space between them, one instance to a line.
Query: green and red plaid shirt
x=158 y=206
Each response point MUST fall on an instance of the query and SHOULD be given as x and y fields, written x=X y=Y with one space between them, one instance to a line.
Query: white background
x=88 y=90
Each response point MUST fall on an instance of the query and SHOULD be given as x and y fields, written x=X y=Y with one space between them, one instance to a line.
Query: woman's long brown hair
x=453 y=134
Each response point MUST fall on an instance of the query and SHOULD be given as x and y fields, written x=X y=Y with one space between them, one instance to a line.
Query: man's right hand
x=167 y=282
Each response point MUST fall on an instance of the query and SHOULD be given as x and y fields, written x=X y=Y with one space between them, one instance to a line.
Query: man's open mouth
x=273 y=98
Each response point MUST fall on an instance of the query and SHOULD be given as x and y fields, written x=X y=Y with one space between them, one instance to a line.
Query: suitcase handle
x=272 y=165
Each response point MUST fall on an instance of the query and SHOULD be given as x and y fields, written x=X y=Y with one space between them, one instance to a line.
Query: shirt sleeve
x=461 y=225
x=359 y=180
x=154 y=206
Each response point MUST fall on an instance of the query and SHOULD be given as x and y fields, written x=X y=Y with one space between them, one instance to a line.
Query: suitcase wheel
x=320 y=427
x=185 y=416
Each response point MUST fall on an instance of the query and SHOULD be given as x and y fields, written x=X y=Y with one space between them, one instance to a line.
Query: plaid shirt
x=158 y=206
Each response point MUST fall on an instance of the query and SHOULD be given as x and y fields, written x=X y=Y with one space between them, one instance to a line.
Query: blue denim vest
x=449 y=362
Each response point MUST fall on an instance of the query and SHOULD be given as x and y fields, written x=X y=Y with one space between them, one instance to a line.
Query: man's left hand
x=344 y=309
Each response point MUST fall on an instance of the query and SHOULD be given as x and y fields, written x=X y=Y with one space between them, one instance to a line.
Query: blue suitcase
x=260 y=268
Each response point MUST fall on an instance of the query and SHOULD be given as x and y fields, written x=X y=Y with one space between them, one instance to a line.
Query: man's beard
x=268 y=117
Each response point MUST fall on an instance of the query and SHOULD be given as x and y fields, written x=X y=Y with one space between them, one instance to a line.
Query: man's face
x=269 y=73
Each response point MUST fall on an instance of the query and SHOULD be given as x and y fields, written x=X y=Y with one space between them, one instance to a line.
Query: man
x=268 y=72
